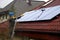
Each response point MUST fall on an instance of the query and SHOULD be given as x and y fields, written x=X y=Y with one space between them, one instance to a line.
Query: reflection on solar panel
x=41 y=0
x=36 y=15
x=4 y=3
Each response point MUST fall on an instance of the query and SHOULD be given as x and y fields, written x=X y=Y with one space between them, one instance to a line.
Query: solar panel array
x=41 y=14
x=4 y=3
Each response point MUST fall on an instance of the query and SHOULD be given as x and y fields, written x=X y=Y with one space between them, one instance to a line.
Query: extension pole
x=12 y=35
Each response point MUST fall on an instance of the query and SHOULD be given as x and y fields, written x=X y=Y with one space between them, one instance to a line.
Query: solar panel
x=30 y=16
x=27 y=15
x=4 y=3
x=35 y=15
x=50 y=16
x=50 y=13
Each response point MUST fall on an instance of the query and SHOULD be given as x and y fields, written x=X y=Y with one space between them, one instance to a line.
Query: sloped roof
x=45 y=26
x=4 y=3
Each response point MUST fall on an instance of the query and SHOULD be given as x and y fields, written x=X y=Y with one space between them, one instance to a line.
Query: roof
x=4 y=12
x=4 y=3
x=44 y=26
x=40 y=26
